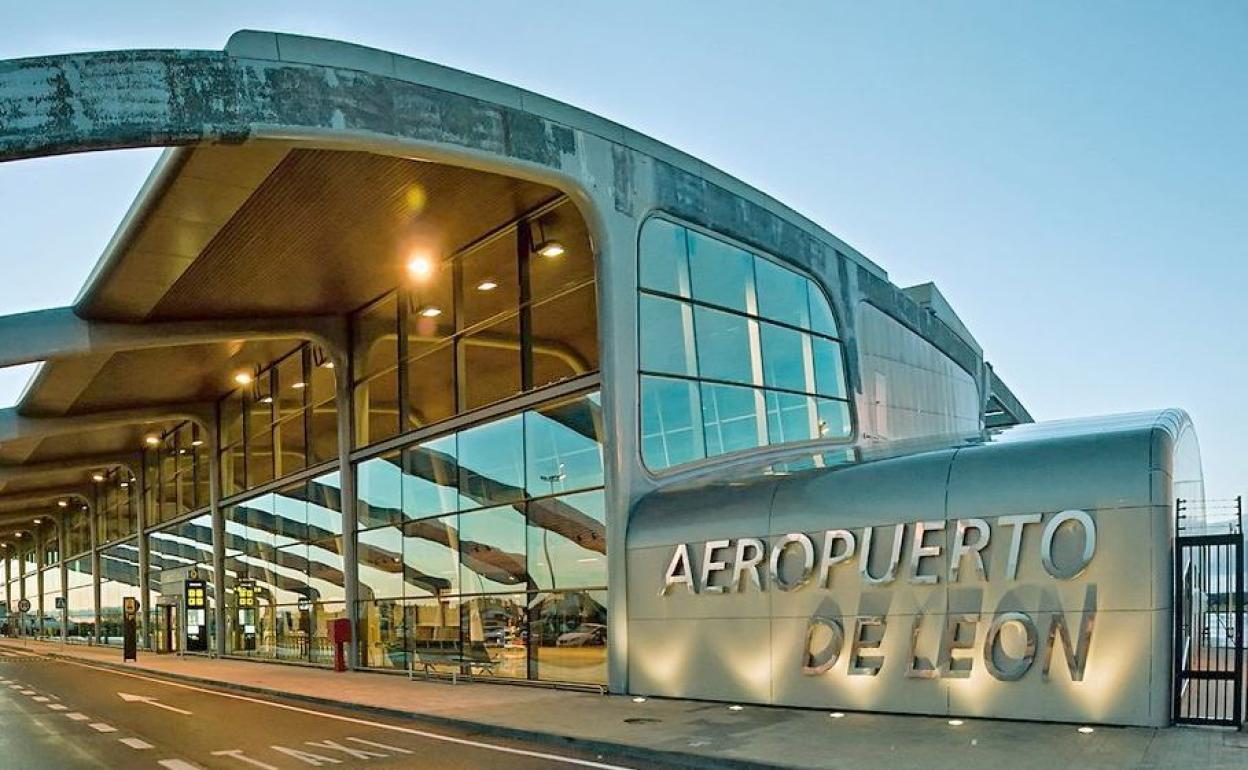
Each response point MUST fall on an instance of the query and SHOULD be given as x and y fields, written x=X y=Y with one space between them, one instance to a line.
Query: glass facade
x=285 y=571
x=284 y=421
x=486 y=548
x=736 y=351
x=175 y=479
x=514 y=312
x=481 y=537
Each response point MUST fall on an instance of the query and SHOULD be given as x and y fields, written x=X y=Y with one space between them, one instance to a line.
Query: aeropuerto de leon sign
x=732 y=566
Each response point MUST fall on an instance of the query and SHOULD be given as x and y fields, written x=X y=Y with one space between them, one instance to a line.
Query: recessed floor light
x=837 y=714
x=639 y=699
x=735 y=707
x=1086 y=730
x=955 y=723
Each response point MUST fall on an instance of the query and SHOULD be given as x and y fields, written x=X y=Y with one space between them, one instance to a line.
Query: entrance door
x=1209 y=628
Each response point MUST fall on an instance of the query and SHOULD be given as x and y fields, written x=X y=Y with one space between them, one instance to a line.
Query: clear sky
x=1073 y=175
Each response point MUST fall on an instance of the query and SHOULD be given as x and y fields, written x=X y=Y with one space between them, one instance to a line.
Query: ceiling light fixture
x=431 y=312
x=1086 y=730
x=328 y=365
x=243 y=378
x=550 y=249
x=152 y=440
x=197 y=442
x=38 y=521
x=735 y=707
x=298 y=385
x=266 y=400
x=62 y=503
x=420 y=267
x=97 y=477
x=639 y=699
x=837 y=714
x=955 y=723
x=487 y=285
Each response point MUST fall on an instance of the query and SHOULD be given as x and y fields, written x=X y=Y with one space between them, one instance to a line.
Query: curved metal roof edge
x=327 y=52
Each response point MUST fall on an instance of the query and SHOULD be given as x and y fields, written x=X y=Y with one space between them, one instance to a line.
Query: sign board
x=130 y=628
x=196 y=592
x=23 y=605
x=60 y=602
x=245 y=594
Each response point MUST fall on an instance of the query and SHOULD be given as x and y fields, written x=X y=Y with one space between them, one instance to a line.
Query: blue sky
x=1074 y=176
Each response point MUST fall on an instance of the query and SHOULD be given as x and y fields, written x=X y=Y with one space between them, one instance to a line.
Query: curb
x=672 y=758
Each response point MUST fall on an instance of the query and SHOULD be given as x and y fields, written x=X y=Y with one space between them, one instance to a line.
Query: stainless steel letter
x=859 y=666
x=1089 y=542
x=750 y=563
x=1076 y=659
x=919 y=551
x=951 y=641
x=864 y=558
x=1018 y=522
x=827 y=560
x=812 y=667
x=918 y=668
x=808 y=561
x=1016 y=668
x=710 y=566
x=678 y=571
x=962 y=548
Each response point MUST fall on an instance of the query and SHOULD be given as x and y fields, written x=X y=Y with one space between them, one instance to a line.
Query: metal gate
x=1209 y=619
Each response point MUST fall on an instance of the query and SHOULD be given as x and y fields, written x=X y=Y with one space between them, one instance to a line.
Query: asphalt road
x=66 y=715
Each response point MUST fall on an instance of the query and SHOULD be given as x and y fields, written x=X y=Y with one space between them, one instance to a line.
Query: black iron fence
x=1209 y=613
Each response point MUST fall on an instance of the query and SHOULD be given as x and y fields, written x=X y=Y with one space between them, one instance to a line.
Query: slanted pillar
x=95 y=569
x=38 y=602
x=218 y=531
x=346 y=476
x=144 y=641
x=62 y=533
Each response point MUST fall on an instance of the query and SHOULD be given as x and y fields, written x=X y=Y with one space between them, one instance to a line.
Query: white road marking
x=238 y=754
x=177 y=764
x=307 y=757
x=101 y=727
x=377 y=745
x=57 y=706
x=335 y=746
x=136 y=743
x=359 y=721
x=128 y=698
x=77 y=717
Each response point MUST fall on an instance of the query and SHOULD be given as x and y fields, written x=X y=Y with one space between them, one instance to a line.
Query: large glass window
x=510 y=313
x=736 y=350
x=469 y=536
x=284 y=421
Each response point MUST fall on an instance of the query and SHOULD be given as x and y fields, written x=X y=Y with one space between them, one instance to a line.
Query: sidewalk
x=705 y=734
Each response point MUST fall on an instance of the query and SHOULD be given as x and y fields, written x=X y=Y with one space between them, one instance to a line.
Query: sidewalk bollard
x=340 y=637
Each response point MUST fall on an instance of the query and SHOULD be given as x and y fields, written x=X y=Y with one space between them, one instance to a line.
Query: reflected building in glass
x=391 y=343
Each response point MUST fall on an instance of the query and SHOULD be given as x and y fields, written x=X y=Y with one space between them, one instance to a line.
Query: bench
x=475 y=660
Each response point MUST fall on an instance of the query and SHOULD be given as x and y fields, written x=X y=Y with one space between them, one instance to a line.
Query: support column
x=38 y=602
x=218 y=531
x=144 y=641
x=346 y=476
x=62 y=532
x=95 y=570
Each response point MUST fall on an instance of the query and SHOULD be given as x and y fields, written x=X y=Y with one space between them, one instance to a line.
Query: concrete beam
x=14 y=426
x=80 y=463
x=25 y=501
x=44 y=335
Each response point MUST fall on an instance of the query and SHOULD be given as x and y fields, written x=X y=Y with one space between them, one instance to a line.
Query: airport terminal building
x=523 y=394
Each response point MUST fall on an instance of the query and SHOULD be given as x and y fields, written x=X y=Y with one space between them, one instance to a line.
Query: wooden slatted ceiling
x=330 y=230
